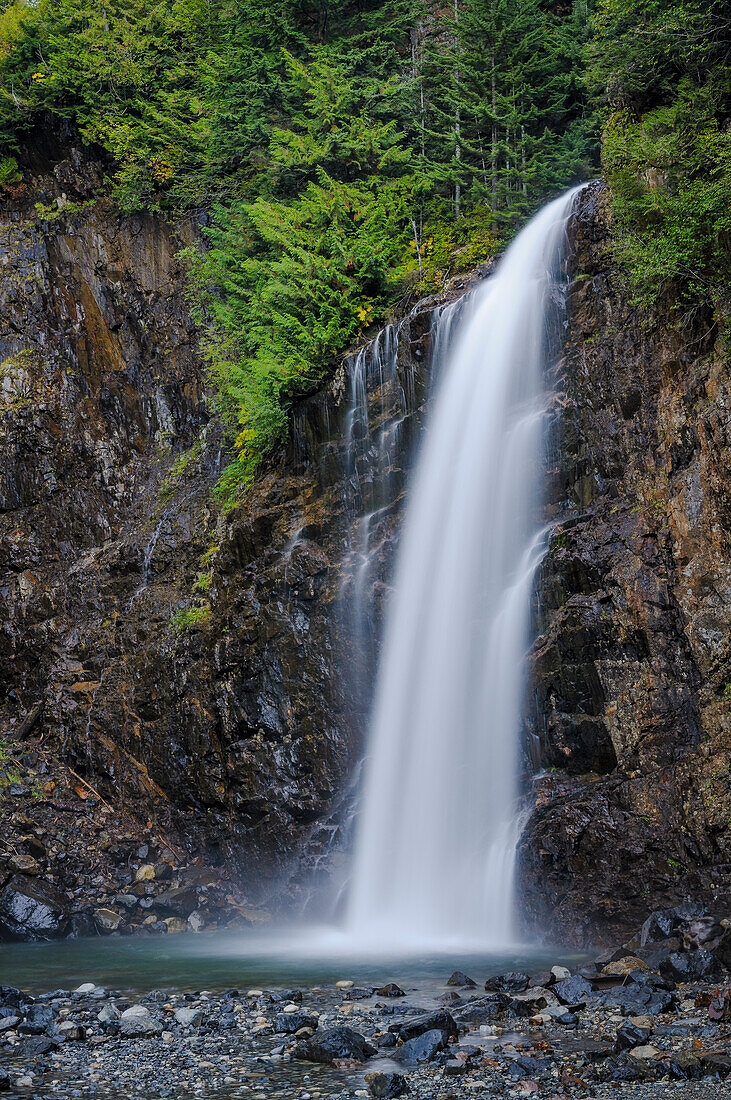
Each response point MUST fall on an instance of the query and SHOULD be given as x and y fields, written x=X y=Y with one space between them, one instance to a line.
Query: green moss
x=189 y=619
x=182 y=466
x=65 y=211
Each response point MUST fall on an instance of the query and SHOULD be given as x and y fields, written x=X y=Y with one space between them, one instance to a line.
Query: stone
x=390 y=990
x=514 y=981
x=22 y=864
x=145 y=873
x=573 y=990
x=690 y=966
x=454 y=1067
x=7 y=1023
x=485 y=1010
x=386 y=1085
x=344 y=984
x=36 y=1046
x=333 y=1045
x=621 y=967
x=108 y=1014
x=30 y=909
x=71 y=1031
x=85 y=987
x=664 y=923
x=416 y=1025
x=630 y=1036
x=644 y=1053
x=683 y=1065
x=560 y=973
x=175 y=925
x=460 y=979
x=533 y=1000
x=288 y=1023
x=107 y=920
x=189 y=1017
x=716 y=1063
x=422 y=1048
x=38 y=1018
x=180 y=901
x=137 y=1022
x=195 y=921
x=567 y=1019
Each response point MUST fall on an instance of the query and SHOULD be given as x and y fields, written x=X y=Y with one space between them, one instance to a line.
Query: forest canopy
x=347 y=155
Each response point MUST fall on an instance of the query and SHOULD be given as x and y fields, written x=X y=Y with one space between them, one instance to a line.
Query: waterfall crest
x=437 y=833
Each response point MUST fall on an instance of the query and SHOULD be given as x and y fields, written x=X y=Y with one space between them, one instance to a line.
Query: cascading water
x=436 y=839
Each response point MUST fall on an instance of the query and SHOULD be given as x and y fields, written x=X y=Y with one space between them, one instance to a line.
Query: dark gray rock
x=422 y=1048
x=410 y=1028
x=690 y=966
x=287 y=1023
x=31 y=909
x=630 y=1036
x=514 y=981
x=332 y=1045
x=386 y=1085
x=458 y=978
x=664 y=923
x=572 y=991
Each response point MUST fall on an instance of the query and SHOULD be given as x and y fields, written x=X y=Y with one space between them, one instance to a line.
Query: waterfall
x=438 y=828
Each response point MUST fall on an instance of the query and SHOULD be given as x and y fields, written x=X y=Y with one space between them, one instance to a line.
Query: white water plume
x=436 y=840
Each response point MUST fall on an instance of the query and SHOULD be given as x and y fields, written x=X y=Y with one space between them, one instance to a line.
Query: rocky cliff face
x=632 y=699
x=209 y=673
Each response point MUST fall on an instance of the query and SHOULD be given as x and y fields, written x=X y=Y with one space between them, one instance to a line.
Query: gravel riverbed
x=652 y=1019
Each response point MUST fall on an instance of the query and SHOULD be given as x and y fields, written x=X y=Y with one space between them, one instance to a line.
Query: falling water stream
x=436 y=840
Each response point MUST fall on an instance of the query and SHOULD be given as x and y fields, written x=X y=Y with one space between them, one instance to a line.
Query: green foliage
x=65 y=211
x=9 y=172
x=180 y=468
x=126 y=72
x=660 y=71
x=288 y=276
x=345 y=154
x=190 y=619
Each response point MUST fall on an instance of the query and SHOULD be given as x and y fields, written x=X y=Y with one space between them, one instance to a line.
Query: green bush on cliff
x=292 y=276
x=660 y=69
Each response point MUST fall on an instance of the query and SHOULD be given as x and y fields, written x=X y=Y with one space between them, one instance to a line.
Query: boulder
x=422 y=1048
x=417 y=1025
x=682 y=1065
x=573 y=990
x=288 y=1023
x=514 y=981
x=189 y=1017
x=690 y=966
x=30 y=909
x=180 y=902
x=107 y=920
x=716 y=1064
x=38 y=1018
x=664 y=923
x=138 y=1022
x=386 y=1085
x=630 y=1036
x=333 y=1045
x=390 y=990
x=458 y=978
